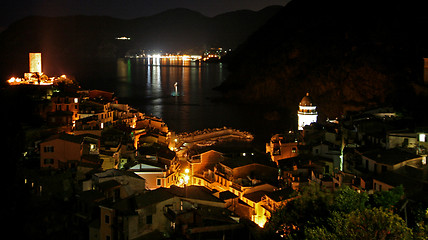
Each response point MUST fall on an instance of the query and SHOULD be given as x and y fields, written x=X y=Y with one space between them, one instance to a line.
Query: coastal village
x=126 y=175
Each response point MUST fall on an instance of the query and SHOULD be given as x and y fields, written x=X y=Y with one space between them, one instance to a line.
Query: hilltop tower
x=35 y=62
x=307 y=113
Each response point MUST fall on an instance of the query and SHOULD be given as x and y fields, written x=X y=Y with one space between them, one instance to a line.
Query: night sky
x=126 y=9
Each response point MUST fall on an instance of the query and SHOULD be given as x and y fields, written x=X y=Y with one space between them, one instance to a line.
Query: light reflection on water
x=149 y=86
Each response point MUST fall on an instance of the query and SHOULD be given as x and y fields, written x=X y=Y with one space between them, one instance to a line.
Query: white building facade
x=307 y=113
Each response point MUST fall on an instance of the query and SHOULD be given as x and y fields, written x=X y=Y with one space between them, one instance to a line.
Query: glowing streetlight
x=186 y=179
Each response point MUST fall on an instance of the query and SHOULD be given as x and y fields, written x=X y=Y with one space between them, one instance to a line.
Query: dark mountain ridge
x=347 y=54
x=68 y=42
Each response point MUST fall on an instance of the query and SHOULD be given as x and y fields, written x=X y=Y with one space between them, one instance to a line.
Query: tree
x=347 y=200
x=369 y=223
x=311 y=208
x=388 y=199
x=344 y=214
x=374 y=223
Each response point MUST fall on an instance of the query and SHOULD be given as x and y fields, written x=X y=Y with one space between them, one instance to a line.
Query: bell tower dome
x=307 y=112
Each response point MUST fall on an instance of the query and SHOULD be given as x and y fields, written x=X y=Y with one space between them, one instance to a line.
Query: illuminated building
x=64 y=150
x=35 y=76
x=282 y=146
x=307 y=113
x=213 y=55
x=35 y=62
x=69 y=103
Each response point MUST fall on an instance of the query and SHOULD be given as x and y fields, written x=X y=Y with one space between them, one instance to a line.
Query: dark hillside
x=348 y=54
x=69 y=44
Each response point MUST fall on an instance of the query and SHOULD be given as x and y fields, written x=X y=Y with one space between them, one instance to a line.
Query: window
x=158 y=181
x=149 y=219
x=107 y=219
x=384 y=168
x=93 y=147
x=48 y=149
x=422 y=137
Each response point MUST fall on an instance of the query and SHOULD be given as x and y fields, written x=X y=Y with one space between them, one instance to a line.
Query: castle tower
x=35 y=62
x=307 y=113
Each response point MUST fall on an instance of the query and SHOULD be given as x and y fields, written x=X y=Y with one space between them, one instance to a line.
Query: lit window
x=93 y=147
x=76 y=100
x=422 y=137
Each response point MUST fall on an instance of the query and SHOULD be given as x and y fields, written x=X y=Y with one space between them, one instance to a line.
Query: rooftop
x=247 y=159
x=70 y=137
x=152 y=197
x=389 y=156
x=282 y=194
x=306 y=101
x=255 y=196
x=226 y=195
x=194 y=192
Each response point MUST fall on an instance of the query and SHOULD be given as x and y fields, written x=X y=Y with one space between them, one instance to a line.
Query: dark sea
x=181 y=93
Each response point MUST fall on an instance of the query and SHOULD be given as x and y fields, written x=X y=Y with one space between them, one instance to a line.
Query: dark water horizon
x=182 y=94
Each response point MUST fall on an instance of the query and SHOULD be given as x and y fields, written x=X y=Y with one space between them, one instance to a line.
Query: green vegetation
x=344 y=214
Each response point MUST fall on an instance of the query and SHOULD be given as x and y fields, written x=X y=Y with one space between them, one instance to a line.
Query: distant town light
x=186 y=170
x=123 y=38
